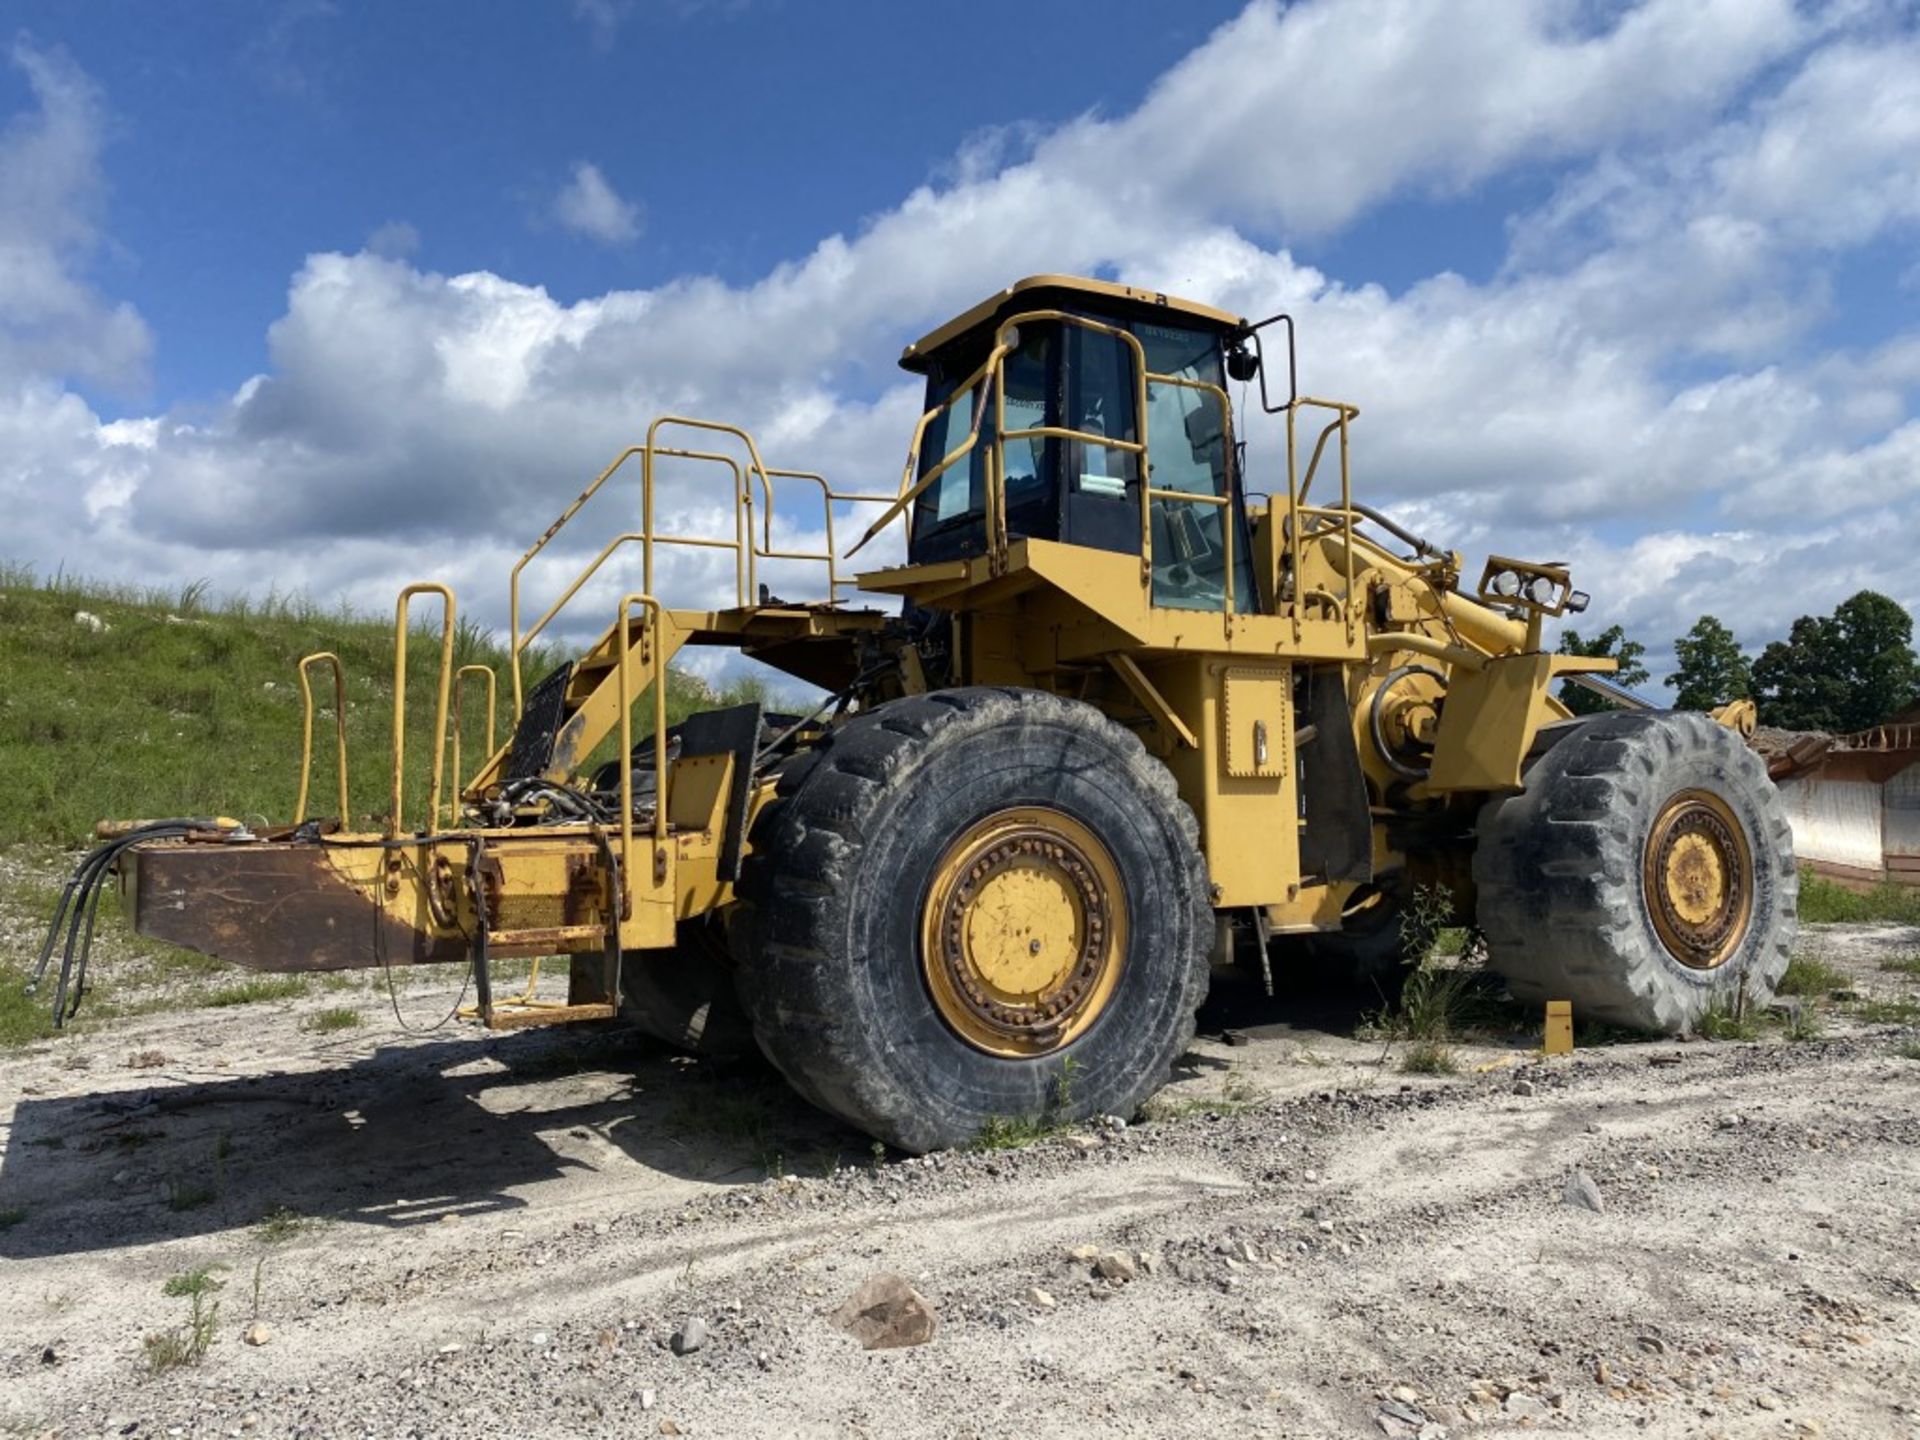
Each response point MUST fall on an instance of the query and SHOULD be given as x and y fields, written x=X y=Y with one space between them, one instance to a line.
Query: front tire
x=1646 y=873
x=972 y=905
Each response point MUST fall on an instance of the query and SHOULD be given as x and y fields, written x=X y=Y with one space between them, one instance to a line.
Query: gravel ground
x=439 y=1234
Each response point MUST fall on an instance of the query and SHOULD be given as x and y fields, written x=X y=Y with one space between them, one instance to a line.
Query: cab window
x=1189 y=449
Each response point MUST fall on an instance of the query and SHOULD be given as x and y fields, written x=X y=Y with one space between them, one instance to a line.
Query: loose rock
x=1116 y=1267
x=258 y=1333
x=886 y=1313
x=1522 y=1406
x=689 y=1337
x=1581 y=1190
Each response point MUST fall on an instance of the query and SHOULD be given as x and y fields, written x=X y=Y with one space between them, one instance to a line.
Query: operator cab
x=1068 y=386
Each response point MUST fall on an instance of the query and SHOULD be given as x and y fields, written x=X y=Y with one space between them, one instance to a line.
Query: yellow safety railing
x=459 y=692
x=651 y=658
x=1299 y=487
x=829 y=497
x=990 y=377
x=400 y=612
x=741 y=544
x=749 y=544
x=306 y=732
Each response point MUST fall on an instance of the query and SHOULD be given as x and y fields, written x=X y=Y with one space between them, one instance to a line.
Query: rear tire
x=851 y=987
x=1646 y=874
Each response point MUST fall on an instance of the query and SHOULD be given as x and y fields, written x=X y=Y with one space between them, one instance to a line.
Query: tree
x=1610 y=642
x=1841 y=672
x=1712 y=669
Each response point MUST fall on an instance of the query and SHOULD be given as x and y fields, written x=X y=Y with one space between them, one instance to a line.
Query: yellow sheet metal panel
x=697 y=790
x=1248 y=829
x=1256 y=717
x=915 y=356
x=1490 y=720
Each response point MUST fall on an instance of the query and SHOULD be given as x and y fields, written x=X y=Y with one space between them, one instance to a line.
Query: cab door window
x=1189 y=449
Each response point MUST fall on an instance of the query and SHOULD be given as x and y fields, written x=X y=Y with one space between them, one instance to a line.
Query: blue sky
x=242 y=137
x=324 y=294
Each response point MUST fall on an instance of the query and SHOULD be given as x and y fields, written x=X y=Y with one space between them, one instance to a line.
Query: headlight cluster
x=1544 y=588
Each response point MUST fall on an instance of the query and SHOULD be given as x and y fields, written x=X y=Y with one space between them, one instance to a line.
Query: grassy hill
x=175 y=704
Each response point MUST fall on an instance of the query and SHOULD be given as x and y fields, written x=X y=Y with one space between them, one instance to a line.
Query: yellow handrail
x=627 y=602
x=743 y=512
x=741 y=544
x=1298 y=488
x=401 y=608
x=306 y=732
x=830 y=497
x=459 y=681
x=911 y=489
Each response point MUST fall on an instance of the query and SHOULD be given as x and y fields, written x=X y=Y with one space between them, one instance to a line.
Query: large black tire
x=827 y=933
x=1562 y=873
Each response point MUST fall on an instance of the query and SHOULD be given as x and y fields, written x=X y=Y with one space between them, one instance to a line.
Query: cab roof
x=1069 y=288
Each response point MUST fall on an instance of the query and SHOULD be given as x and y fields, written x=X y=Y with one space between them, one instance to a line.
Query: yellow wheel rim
x=1698 y=871
x=1024 y=932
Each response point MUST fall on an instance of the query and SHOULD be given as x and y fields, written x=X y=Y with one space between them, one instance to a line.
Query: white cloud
x=603 y=19
x=1632 y=390
x=589 y=206
x=53 y=323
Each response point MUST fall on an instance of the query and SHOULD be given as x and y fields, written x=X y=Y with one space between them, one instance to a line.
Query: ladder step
x=552 y=940
x=525 y=1017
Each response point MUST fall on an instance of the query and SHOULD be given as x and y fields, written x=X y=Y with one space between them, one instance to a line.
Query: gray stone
x=1522 y=1406
x=1116 y=1267
x=689 y=1337
x=1582 y=1191
x=886 y=1313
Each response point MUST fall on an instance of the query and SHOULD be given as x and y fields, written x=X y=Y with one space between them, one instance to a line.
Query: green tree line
x=1850 y=670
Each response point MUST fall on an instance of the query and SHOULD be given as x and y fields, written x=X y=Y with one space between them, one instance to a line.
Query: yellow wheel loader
x=1141 y=708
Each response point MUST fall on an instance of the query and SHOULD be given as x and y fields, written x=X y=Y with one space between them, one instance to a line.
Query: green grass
x=1887 y=1012
x=188 y=1343
x=1902 y=964
x=340 y=1017
x=280 y=1225
x=1013 y=1132
x=1824 y=903
x=257 y=989
x=1237 y=1096
x=199 y=714
x=1729 y=1024
x=1802 y=1024
x=23 y=1018
x=12 y=1216
x=1810 y=975
x=1908 y=1049
x=1442 y=999
x=1428 y=1057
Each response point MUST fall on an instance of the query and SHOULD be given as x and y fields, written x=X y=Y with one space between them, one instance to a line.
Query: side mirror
x=1242 y=364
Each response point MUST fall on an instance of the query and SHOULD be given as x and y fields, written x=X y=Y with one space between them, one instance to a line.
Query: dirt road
x=450 y=1236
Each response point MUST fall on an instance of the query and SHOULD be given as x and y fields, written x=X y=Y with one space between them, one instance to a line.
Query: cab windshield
x=1078 y=491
